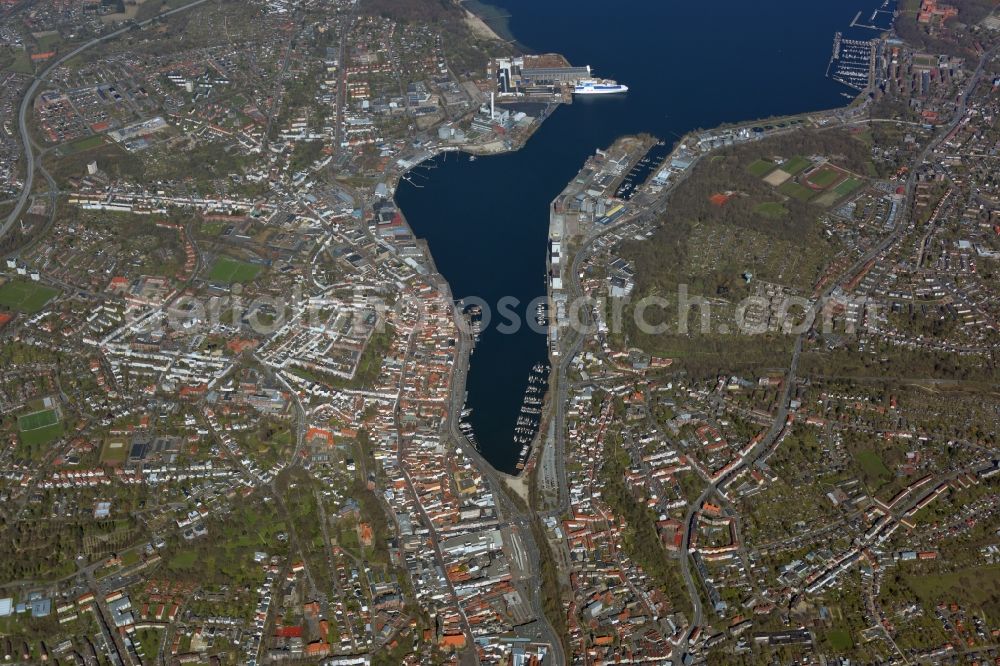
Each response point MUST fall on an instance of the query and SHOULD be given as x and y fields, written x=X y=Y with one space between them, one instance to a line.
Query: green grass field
x=112 y=455
x=796 y=165
x=796 y=191
x=826 y=199
x=48 y=43
x=839 y=640
x=760 y=168
x=39 y=428
x=872 y=465
x=185 y=559
x=212 y=228
x=824 y=177
x=849 y=185
x=35 y=420
x=148 y=641
x=25 y=296
x=21 y=63
x=42 y=435
x=230 y=271
x=975 y=587
x=772 y=209
x=81 y=145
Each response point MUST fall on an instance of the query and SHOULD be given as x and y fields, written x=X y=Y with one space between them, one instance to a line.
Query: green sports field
x=231 y=271
x=760 y=168
x=771 y=209
x=114 y=452
x=840 y=639
x=796 y=191
x=26 y=296
x=823 y=177
x=39 y=419
x=846 y=187
x=39 y=427
x=796 y=165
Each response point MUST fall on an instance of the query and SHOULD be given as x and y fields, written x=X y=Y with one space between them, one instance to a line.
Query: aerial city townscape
x=741 y=405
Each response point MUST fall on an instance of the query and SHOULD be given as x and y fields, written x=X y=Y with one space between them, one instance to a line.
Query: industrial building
x=534 y=75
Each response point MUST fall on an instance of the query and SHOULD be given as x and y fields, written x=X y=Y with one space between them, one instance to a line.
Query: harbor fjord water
x=687 y=65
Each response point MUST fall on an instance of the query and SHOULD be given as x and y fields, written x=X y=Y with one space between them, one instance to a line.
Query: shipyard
x=548 y=76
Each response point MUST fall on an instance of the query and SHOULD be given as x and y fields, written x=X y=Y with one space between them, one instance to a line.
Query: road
x=22 y=113
x=279 y=80
x=575 y=291
x=781 y=415
x=656 y=208
x=518 y=518
x=469 y=654
x=569 y=352
x=341 y=86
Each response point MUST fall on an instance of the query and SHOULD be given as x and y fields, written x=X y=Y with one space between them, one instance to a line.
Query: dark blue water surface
x=687 y=64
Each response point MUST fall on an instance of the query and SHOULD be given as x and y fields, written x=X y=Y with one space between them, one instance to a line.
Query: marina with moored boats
x=529 y=417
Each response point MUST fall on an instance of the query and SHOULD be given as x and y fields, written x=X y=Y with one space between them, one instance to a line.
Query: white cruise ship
x=598 y=87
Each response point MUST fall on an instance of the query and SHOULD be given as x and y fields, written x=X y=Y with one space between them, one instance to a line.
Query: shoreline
x=494 y=19
x=485 y=16
x=517 y=481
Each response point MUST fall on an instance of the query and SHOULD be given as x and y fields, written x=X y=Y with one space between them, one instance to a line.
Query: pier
x=853 y=62
x=880 y=20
